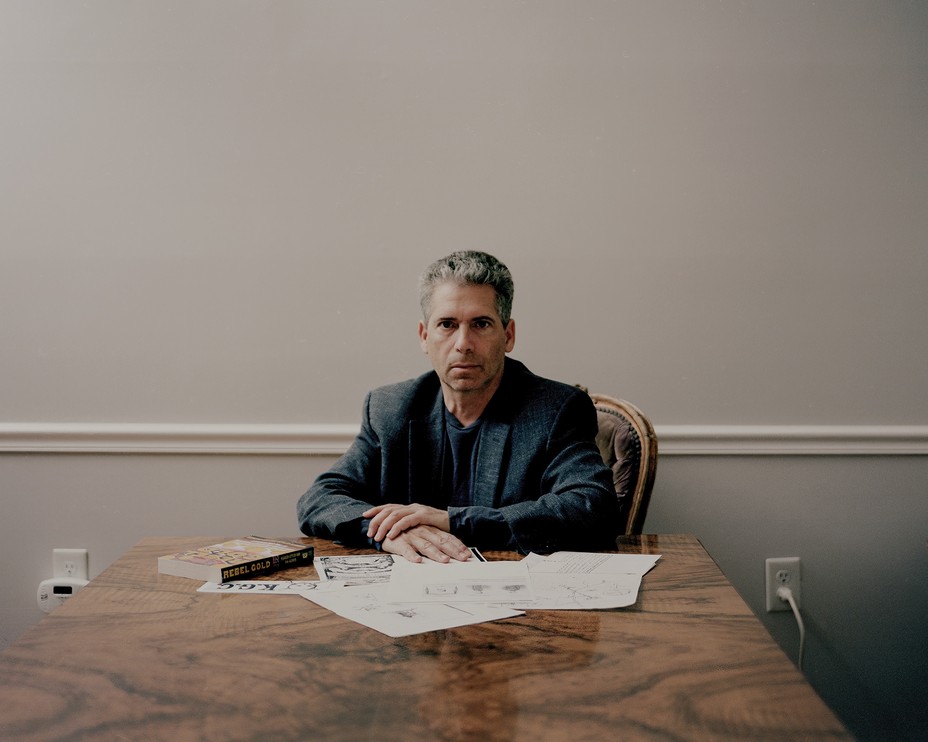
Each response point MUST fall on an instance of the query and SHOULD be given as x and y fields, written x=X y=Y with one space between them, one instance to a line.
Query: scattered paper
x=580 y=562
x=286 y=587
x=400 y=598
x=372 y=606
x=571 y=580
x=460 y=582
x=580 y=592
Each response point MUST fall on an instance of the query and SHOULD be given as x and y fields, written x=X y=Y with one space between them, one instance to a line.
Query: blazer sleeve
x=557 y=493
x=332 y=506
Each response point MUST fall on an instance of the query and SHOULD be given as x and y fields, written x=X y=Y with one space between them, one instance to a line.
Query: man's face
x=465 y=338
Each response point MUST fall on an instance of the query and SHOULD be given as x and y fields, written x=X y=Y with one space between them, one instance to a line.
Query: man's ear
x=510 y=335
x=423 y=336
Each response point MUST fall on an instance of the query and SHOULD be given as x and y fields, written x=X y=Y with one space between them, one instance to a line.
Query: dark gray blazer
x=539 y=471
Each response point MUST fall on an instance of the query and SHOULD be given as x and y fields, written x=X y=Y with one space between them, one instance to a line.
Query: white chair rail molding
x=334 y=439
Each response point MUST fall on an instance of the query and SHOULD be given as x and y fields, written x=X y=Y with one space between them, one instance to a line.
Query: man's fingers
x=381 y=520
x=401 y=547
x=439 y=545
x=388 y=521
x=403 y=524
x=433 y=552
x=385 y=527
x=425 y=541
x=413 y=530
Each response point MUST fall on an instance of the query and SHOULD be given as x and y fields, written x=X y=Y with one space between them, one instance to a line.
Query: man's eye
x=482 y=324
x=446 y=324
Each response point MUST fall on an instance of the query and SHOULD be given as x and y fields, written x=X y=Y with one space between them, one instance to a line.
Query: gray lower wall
x=859 y=526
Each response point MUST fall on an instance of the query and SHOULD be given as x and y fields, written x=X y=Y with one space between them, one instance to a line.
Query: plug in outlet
x=782 y=572
x=70 y=563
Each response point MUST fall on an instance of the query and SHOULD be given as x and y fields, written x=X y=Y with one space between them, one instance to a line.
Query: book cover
x=237 y=559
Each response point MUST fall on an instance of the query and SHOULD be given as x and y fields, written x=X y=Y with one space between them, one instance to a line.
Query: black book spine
x=267 y=565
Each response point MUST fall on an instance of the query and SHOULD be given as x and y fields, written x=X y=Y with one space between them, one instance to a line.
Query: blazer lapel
x=493 y=439
x=426 y=441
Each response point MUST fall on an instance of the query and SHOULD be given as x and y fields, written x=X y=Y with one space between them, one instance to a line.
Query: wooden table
x=141 y=656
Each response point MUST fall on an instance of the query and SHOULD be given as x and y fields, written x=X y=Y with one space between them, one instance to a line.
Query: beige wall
x=213 y=213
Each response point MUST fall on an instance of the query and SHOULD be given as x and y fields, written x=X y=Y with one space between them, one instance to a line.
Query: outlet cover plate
x=782 y=572
x=70 y=563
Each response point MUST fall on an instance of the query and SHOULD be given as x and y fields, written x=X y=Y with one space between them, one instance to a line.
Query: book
x=237 y=559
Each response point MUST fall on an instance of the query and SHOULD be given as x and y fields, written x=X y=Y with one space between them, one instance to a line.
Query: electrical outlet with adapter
x=783 y=572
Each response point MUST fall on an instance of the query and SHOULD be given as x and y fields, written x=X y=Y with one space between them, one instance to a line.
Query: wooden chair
x=628 y=445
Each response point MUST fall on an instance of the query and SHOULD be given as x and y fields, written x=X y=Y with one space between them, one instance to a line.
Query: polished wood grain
x=141 y=656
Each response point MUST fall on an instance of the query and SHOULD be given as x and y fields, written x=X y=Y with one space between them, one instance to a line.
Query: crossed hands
x=415 y=531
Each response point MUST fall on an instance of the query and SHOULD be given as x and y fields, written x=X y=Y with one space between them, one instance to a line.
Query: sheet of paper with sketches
x=580 y=591
x=371 y=606
x=365 y=569
x=280 y=587
x=459 y=582
x=570 y=580
x=355 y=569
x=580 y=562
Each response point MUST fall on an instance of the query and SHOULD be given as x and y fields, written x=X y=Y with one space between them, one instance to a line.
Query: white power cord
x=786 y=595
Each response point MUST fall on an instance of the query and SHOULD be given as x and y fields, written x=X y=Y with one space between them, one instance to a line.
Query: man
x=480 y=452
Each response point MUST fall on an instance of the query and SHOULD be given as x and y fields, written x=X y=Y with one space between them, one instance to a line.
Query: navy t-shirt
x=460 y=465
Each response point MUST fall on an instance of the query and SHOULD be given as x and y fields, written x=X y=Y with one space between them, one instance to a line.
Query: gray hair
x=473 y=268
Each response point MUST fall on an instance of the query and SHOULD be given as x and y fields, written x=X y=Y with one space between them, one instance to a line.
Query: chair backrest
x=628 y=445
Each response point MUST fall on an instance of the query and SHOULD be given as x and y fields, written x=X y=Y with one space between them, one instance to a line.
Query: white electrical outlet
x=782 y=572
x=70 y=563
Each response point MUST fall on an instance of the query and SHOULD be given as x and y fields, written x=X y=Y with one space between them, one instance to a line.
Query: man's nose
x=463 y=338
